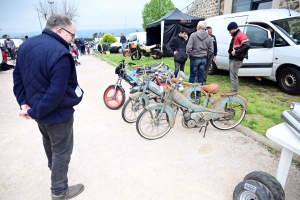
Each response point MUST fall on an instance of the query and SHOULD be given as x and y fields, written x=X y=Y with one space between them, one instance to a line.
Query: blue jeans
x=123 y=46
x=197 y=66
x=58 y=145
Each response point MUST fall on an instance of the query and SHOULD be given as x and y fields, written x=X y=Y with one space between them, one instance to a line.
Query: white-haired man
x=199 y=46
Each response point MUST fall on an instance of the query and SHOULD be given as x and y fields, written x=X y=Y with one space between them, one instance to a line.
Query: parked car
x=273 y=56
x=137 y=36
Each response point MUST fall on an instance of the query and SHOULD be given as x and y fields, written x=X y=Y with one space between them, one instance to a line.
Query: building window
x=246 y=5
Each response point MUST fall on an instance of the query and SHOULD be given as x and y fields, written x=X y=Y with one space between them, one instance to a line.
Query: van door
x=260 y=58
x=223 y=38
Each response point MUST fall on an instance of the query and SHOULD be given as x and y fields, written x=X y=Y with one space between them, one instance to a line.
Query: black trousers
x=58 y=145
x=178 y=66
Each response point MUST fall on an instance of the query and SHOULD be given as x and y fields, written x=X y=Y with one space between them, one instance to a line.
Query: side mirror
x=268 y=43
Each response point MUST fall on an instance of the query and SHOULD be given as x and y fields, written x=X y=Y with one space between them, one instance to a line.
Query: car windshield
x=290 y=27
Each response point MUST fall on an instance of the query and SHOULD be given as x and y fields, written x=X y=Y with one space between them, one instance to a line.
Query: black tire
x=109 y=101
x=119 y=50
x=213 y=68
x=152 y=135
x=250 y=189
x=269 y=181
x=136 y=56
x=288 y=80
x=157 y=56
x=131 y=110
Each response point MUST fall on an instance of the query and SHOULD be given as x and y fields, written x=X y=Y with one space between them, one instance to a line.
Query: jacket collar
x=233 y=35
x=56 y=36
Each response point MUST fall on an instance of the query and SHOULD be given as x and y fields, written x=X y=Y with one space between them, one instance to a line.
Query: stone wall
x=294 y=4
x=206 y=9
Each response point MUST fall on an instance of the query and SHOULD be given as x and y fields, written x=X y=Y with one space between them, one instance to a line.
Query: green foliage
x=108 y=38
x=265 y=100
x=156 y=9
x=95 y=35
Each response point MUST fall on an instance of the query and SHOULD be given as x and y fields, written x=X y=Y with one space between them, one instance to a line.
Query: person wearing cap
x=199 y=46
x=177 y=47
x=238 y=50
x=211 y=56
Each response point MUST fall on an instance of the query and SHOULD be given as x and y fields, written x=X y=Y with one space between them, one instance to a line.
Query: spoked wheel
x=132 y=109
x=113 y=99
x=150 y=126
x=236 y=113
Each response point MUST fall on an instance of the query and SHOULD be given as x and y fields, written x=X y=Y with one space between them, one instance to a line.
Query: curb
x=250 y=133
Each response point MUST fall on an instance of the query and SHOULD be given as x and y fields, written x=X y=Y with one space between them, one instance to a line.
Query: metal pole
x=39 y=18
x=125 y=26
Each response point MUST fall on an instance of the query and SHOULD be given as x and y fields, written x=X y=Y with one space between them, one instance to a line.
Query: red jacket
x=241 y=44
x=4 y=56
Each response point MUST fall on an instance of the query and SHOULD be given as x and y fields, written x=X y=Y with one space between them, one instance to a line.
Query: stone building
x=210 y=8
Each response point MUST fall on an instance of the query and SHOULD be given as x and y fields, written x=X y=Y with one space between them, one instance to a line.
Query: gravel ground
x=114 y=162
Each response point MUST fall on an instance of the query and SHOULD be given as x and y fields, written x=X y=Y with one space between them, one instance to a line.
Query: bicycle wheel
x=132 y=109
x=236 y=113
x=112 y=98
x=150 y=127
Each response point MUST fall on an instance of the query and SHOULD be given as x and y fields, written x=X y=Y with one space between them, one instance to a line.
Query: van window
x=290 y=27
x=133 y=38
x=279 y=41
x=256 y=35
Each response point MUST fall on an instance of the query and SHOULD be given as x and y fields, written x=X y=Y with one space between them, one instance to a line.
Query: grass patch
x=266 y=101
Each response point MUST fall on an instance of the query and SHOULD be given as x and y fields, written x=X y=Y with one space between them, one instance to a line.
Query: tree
x=95 y=35
x=156 y=9
x=47 y=8
x=4 y=36
x=108 y=38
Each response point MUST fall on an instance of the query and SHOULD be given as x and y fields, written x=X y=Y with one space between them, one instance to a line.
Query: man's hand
x=23 y=112
x=175 y=52
x=215 y=58
x=233 y=53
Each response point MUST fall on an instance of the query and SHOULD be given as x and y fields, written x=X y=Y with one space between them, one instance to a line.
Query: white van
x=137 y=36
x=278 y=60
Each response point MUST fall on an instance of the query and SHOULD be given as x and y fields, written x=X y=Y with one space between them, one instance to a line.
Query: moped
x=224 y=113
x=147 y=51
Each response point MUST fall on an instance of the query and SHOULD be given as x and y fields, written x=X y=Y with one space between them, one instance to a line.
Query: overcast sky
x=19 y=16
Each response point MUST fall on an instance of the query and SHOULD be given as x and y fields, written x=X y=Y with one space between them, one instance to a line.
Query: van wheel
x=269 y=181
x=289 y=80
x=212 y=69
x=120 y=50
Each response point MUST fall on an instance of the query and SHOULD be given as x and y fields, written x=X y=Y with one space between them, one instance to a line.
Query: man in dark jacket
x=46 y=88
x=123 y=41
x=78 y=44
x=238 y=50
x=177 y=47
x=199 y=46
x=82 y=46
x=211 y=57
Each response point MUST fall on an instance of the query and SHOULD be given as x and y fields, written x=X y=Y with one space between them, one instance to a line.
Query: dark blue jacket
x=45 y=78
x=122 y=39
x=178 y=44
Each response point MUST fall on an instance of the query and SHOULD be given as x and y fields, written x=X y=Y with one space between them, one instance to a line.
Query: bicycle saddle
x=212 y=88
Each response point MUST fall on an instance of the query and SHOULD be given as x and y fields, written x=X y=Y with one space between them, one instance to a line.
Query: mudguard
x=118 y=86
x=219 y=103
x=140 y=95
x=168 y=110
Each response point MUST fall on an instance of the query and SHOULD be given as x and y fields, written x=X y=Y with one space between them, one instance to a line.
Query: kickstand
x=204 y=129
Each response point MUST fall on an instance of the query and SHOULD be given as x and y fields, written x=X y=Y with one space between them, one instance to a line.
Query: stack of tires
x=259 y=185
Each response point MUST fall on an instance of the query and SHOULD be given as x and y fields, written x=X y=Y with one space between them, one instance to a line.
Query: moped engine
x=187 y=121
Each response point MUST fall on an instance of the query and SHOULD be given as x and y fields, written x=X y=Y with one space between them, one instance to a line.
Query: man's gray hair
x=202 y=25
x=58 y=20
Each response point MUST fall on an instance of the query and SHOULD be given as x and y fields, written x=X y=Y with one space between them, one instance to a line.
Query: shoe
x=72 y=192
x=258 y=78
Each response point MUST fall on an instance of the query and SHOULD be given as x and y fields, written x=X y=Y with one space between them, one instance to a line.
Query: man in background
x=211 y=57
x=199 y=46
x=123 y=41
x=238 y=50
x=10 y=47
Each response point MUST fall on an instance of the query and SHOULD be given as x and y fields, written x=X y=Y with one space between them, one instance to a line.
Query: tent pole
x=162 y=29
